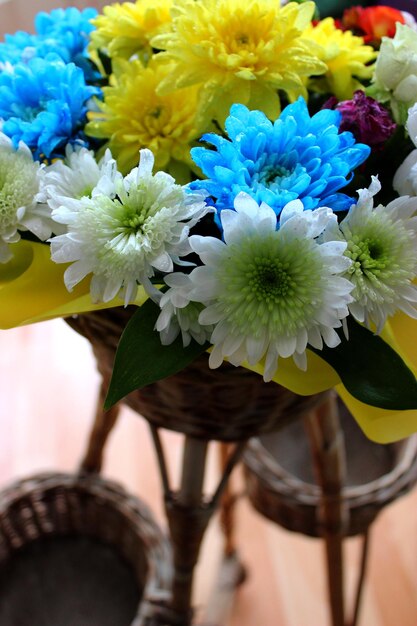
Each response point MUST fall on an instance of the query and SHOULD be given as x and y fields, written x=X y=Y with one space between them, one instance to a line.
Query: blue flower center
x=26 y=113
x=272 y=175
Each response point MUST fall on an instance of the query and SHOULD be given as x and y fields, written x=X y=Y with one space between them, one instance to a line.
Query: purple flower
x=367 y=120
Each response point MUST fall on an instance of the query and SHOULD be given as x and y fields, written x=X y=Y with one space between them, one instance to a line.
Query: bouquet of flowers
x=246 y=174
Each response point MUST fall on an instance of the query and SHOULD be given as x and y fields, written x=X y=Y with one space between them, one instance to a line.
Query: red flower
x=372 y=23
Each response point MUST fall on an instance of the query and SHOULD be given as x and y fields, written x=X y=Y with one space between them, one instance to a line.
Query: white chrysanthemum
x=411 y=124
x=382 y=244
x=179 y=314
x=122 y=238
x=77 y=176
x=21 y=199
x=394 y=79
x=270 y=292
x=405 y=178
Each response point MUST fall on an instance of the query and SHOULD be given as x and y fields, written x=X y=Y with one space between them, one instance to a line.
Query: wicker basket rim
x=272 y=473
x=140 y=516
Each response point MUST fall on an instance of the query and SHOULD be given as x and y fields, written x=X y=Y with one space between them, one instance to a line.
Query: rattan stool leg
x=227 y=506
x=103 y=424
x=188 y=520
x=361 y=578
x=335 y=577
x=327 y=445
x=334 y=553
x=231 y=572
x=188 y=512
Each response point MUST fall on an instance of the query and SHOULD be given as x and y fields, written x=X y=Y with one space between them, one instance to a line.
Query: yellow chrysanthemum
x=126 y=29
x=346 y=57
x=239 y=52
x=132 y=116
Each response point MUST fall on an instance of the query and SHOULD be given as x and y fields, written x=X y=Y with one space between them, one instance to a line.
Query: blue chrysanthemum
x=18 y=47
x=44 y=104
x=297 y=156
x=63 y=31
x=69 y=26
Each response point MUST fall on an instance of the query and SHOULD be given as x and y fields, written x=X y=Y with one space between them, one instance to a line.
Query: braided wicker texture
x=226 y=404
x=66 y=505
x=280 y=481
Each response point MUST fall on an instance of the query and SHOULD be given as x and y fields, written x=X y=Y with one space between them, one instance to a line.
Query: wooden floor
x=48 y=387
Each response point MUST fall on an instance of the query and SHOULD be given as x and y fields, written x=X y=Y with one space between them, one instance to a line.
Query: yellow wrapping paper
x=32 y=290
x=382 y=425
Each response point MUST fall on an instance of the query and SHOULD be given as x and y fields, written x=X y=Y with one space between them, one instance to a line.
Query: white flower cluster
x=263 y=292
x=120 y=229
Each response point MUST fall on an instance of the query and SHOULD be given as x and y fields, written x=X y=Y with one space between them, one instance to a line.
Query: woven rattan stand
x=354 y=480
x=230 y=405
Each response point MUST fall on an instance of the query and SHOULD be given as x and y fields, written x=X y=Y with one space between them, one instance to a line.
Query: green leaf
x=371 y=370
x=368 y=367
x=141 y=359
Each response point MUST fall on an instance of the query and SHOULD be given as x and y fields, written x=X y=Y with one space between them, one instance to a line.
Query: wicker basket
x=58 y=529
x=281 y=486
x=226 y=404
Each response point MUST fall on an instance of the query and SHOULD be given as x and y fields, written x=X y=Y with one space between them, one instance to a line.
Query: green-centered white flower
x=22 y=204
x=78 y=175
x=122 y=238
x=270 y=292
x=382 y=245
x=179 y=314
